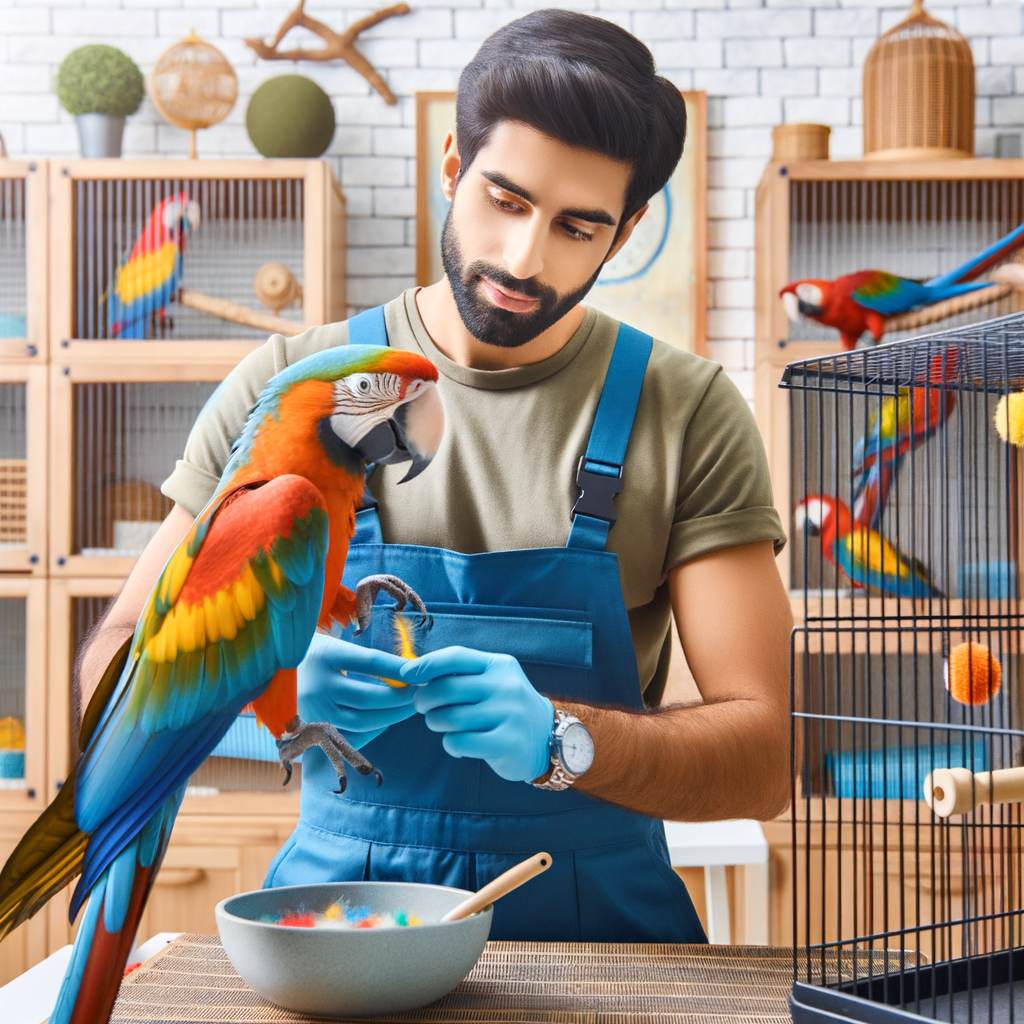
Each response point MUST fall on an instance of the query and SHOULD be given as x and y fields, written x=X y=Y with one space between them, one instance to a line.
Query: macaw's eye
x=360 y=383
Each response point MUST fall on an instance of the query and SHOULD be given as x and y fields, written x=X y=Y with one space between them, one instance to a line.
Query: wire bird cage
x=915 y=229
x=149 y=255
x=246 y=759
x=906 y=673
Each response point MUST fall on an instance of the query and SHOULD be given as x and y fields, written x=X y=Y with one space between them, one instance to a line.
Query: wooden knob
x=276 y=287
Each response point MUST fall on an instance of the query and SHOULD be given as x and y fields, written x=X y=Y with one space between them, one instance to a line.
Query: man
x=563 y=134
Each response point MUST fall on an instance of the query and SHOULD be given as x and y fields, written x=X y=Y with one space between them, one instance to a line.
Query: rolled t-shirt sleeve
x=725 y=493
x=219 y=425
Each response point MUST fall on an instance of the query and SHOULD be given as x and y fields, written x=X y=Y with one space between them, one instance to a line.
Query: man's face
x=530 y=226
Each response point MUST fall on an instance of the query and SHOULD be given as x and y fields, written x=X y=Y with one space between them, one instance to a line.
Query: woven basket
x=800 y=142
x=919 y=92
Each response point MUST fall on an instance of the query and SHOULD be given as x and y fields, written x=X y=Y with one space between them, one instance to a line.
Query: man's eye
x=575 y=232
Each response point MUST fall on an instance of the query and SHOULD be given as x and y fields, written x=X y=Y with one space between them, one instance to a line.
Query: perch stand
x=236 y=313
x=275 y=286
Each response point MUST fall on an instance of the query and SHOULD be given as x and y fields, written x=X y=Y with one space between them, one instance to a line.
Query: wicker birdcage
x=193 y=86
x=919 y=92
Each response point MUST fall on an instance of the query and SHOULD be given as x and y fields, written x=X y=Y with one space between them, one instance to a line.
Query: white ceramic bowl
x=352 y=972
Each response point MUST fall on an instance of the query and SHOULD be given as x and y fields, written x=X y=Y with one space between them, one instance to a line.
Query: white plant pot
x=100 y=134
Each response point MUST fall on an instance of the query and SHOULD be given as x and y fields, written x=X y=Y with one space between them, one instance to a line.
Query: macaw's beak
x=411 y=434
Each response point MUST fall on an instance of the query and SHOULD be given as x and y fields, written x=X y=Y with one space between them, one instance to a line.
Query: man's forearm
x=96 y=657
x=707 y=762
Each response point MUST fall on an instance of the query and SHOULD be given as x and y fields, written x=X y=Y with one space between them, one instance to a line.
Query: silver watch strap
x=559 y=778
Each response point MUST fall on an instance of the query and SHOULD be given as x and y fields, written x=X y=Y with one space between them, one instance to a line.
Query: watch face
x=577 y=749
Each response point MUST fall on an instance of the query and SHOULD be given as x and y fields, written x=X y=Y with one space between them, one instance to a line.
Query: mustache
x=530 y=287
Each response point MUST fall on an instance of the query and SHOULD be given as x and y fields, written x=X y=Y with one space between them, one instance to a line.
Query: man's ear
x=627 y=230
x=451 y=164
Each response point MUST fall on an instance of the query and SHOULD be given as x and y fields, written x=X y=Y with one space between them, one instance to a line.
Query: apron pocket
x=311 y=856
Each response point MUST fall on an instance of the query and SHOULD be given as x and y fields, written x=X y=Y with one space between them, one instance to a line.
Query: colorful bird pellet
x=343 y=917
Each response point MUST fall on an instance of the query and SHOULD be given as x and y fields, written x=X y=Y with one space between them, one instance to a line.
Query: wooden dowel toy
x=227 y=310
x=949 y=791
x=501 y=886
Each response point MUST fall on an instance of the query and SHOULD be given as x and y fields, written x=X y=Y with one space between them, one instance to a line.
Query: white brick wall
x=761 y=62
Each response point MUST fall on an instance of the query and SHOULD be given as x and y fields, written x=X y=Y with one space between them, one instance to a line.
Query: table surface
x=562 y=983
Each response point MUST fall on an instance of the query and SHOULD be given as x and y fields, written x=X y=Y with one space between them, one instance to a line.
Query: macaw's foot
x=367 y=590
x=303 y=735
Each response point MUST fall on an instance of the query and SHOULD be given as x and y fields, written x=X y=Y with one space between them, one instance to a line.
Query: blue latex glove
x=359 y=706
x=486 y=708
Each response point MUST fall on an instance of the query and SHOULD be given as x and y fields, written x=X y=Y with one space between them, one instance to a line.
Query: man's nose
x=524 y=250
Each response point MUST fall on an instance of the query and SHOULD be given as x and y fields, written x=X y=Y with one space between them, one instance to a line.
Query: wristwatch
x=572 y=752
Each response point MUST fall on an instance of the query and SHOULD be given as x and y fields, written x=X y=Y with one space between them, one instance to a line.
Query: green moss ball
x=100 y=79
x=290 y=116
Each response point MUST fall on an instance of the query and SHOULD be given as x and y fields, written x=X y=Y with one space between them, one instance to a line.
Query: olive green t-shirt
x=696 y=476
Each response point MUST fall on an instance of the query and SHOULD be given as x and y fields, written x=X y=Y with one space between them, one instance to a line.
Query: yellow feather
x=243 y=598
x=210 y=621
x=226 y=616
x=145 y=273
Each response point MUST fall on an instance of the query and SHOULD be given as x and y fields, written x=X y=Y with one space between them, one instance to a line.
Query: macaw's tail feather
x=111 y=918
x=47 y=858
x=50 y=854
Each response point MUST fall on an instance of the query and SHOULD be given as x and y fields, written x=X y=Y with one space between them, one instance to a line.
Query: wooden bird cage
x=23 y=218
x=919 y=92
x=193 y=86
x=216 y=224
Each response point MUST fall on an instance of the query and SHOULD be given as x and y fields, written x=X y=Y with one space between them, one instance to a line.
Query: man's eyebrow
x=590 y=216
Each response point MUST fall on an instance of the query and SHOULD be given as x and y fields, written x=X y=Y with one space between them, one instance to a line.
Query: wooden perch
x=238 y=314
x=339 y=45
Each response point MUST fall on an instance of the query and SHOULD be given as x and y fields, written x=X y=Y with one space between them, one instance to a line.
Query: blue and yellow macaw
x=227 y=623
x=859 y=302
x=148 y=275
x=861 y=553
x=901 y=424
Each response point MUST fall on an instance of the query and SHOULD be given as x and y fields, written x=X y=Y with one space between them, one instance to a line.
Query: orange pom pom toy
x=973 y=676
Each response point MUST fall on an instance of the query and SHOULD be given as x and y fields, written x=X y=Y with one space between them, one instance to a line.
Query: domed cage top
x=907 y=493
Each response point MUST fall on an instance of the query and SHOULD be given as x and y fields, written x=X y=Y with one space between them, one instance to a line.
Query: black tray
x=975 y=989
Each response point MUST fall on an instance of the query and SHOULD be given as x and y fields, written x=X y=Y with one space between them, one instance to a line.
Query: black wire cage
x=907 y=493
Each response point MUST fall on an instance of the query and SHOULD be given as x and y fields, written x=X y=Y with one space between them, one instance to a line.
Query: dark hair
x=580 y=80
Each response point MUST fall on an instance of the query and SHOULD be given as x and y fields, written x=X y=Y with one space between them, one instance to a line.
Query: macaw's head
x=363 y=402
x=822 y=515
x=176 y=217
x=805 y=298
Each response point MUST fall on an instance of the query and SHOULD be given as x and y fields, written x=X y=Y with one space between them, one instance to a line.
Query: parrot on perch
x=859 y=302
x=900 y=424
x=149 y=273
x=227 y=623
x=860 y=552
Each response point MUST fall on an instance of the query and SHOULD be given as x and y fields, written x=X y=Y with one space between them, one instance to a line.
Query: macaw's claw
x=367 y=590
x=320 y=734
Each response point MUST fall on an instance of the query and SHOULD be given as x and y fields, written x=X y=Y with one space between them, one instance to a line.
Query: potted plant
x=101 y=86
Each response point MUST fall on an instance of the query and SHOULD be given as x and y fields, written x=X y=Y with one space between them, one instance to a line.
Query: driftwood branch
x=338 y=45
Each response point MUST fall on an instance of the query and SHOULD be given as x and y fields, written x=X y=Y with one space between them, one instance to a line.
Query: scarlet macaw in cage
x=860 y=552
x=227 y=623
x=149 y=273
x=900 y=424
x=859 y=302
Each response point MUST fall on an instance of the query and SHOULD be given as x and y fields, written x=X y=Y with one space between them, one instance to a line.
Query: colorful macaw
x=860 y=302
x=148 y=275
x=227 y=623
x=861 y=553
x=900 y=424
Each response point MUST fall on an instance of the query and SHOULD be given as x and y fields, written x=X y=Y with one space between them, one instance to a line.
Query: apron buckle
x=599 y=482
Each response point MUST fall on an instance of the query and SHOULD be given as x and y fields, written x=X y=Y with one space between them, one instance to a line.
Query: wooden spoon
x=501 y=886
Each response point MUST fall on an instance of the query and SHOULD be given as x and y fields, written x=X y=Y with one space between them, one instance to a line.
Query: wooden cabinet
x=23 y=249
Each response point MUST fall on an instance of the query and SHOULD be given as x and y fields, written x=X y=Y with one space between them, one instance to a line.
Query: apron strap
x=599 y=475
x=368 y=328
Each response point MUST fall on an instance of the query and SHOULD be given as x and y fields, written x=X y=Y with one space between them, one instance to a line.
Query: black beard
x=487 y=322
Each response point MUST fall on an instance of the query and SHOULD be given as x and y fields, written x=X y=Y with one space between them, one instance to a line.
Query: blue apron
x=453 y=821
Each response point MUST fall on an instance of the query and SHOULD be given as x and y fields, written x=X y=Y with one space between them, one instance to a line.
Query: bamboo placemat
x=537 y=982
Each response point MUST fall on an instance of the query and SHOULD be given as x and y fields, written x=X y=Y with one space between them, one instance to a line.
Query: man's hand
x=486 y=708
x=361 y=708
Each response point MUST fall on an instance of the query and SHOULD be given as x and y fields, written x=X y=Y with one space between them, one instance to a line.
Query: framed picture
x=657 y=283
